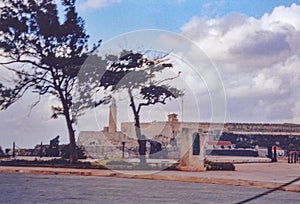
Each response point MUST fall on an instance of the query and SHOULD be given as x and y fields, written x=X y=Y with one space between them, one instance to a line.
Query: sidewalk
x=263 y=175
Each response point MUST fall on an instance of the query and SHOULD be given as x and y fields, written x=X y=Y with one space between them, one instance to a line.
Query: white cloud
x=94 y=4
x=271 y=38
x=29 y=127
x=263 y=82
x=258 y=60
x=212 y=7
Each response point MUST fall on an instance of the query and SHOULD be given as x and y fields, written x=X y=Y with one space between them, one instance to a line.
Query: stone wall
x=101 y=144
x=262 y=127
x=168 y=128
x=108 y=152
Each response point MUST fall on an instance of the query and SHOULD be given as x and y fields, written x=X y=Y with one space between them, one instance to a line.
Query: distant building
x=219 y=145
x=108 y=142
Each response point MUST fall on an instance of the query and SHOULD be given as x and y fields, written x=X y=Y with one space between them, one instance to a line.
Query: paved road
x=24 y=188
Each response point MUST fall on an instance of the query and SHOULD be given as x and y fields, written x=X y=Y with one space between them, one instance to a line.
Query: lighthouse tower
x=112 y=126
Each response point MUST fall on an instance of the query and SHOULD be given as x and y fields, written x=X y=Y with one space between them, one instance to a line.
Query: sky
x=254 y=47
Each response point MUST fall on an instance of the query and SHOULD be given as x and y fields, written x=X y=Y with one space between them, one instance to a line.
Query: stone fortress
x=108 y=142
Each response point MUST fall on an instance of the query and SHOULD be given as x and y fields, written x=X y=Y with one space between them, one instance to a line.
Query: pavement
x=216 y=159
x=274 y=176
x=238 y=159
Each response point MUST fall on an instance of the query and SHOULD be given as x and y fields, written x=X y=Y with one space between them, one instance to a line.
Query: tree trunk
x=141 y=141
x=141 y=138
x=72 y=145
x=73 y=153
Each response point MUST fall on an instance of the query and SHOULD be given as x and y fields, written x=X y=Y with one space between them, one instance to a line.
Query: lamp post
x=123 y=148
x=14 y=150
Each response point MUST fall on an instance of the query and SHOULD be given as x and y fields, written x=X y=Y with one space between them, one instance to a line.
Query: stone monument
x=53 y=149
x=192 y=152
x=112 y=123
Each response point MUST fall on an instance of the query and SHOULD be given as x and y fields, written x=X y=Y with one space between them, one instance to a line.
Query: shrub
x=118 y=162
x=65 y=152
x=224 y=166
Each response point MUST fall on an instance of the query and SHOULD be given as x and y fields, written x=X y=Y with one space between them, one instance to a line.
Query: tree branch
x=25 y=61
x=132 y=103
x=167 y=79
x=34 y=105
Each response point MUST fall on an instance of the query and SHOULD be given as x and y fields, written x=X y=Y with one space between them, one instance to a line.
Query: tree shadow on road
x=269 y=192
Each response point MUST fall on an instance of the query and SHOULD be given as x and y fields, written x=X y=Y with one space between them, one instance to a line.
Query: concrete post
x=292 y=157
x=184 y=146
x=123 y=149
x=202 y=147
x=14 y=150
x=275 y=155
x=270 y=154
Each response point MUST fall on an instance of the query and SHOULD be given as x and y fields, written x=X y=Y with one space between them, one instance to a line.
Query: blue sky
x=252 y=44
x=255 y=46
x=111 y=19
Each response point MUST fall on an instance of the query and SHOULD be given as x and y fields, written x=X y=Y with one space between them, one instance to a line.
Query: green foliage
x=118 y=162
x=133 y=70
x=51 y=163
x=32 y=35
x=45 y=54
x=7 y=96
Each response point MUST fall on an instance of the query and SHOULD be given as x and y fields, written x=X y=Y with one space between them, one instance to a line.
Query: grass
x=114 y=164
x=124 y=164
x=59 y=163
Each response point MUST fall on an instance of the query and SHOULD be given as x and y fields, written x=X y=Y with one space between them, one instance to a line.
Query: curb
x=193 y=179
x=209 y=180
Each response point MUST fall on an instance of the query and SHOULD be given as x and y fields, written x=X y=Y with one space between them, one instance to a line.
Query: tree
x=137 y=75
x=45 y=53
x=6 y=96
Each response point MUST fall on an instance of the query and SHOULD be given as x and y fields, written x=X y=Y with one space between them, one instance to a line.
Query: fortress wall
x=102 y=144
x=148 y=129
x=166 y=128
x=262 y=127
x=87 y=138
